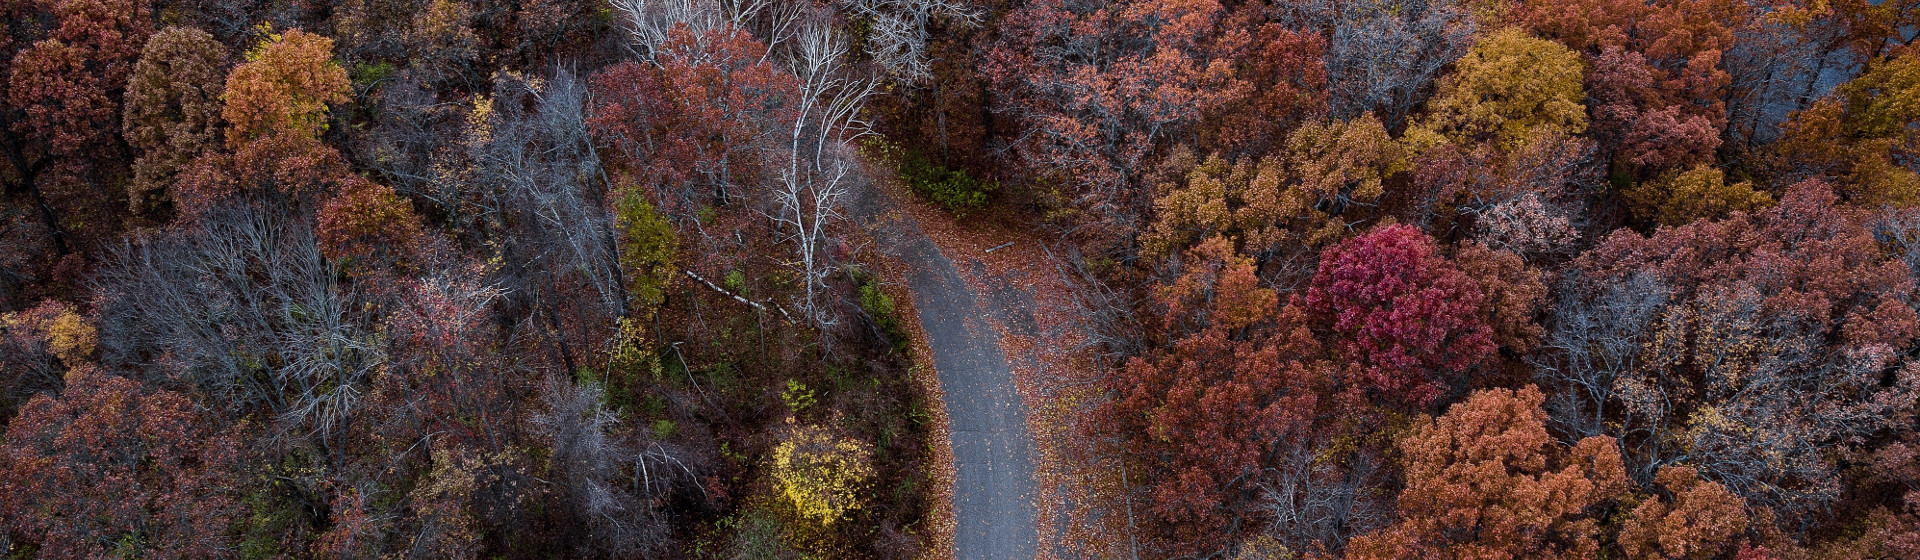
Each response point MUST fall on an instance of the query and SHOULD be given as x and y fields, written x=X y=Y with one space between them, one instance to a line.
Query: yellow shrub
x=820 y=473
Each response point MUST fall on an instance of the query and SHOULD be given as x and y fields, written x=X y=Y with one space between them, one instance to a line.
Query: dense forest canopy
x=1359 y=279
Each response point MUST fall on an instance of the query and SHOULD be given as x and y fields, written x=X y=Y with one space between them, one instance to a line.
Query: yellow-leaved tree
x=285 y=86
x=1329 y=176
x=1698 y=193
x=1862 y=137
x=1510 y=87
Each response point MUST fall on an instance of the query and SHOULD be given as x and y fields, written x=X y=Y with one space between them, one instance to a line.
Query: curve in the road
x=993 y=488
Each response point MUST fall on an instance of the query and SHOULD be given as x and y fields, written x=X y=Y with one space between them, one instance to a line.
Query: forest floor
x=1006 y=334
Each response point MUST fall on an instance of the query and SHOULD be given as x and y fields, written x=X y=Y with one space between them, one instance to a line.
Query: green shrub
x=756 y=534
x=365 y=76
x=647 y=252
x=797 y=396
x=879 y=305
x=951 y=188
x=663 y=429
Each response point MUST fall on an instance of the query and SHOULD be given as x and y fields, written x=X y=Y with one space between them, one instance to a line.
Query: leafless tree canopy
x=898 y=31
x=243 y=308
x=1383 y=56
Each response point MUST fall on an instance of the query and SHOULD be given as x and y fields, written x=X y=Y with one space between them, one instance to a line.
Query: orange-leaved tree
x=1485 y=480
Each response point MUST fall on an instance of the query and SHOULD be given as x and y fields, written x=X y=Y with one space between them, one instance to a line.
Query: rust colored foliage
x=633 y=107
x=69 y=83
x=110 y=467
x=1280 y=83
x=1659 y=87
x=1894 y=529
x=1700 y=521
x=464 y=387
x=1206 y=411
x=173 y=109
x=1514 y=294
x=61 y=110
x=1647 y=134
x=690 y=124
x=1409 y=318
x=1807 y=257
x=1678 y=41
x=1765 y=345
x=1485 y=481
x=368 y=222
x=275 y=108
x=356 y=531
x=286 y=168
x=1666 y=139
x=1104 y=85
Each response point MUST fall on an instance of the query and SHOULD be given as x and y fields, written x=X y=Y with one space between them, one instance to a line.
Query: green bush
x=879 y=305
x=953 y=189
x=756 y=534
x=797 y=396
x=664 y=429
x=647 y=252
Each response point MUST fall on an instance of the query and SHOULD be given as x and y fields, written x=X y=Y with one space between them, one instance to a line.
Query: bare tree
x=808 y=188
x=650 y=22
x=807 y=155
x=1777 y=68
x=1319 y=503
x=1382 y=56
x=527 y=185
x=543 y=164
x=1597 y=337
x=898 y=31
x=1753 y=398
x=591 y=463
x=245 y=310
x=1773 y=400
x=407 y=147
x=1899 y=229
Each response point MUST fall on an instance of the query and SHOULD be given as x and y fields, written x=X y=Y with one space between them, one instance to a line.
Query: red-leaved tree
x=693 y=124
x=1393 y=305
x=1101 y=87
x=113 y=468
x=1204 y=414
